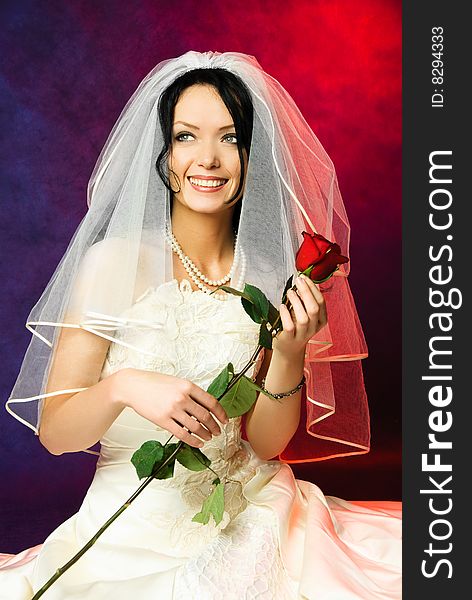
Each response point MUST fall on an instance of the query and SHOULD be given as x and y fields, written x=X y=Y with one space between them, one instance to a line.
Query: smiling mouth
x=207 y=185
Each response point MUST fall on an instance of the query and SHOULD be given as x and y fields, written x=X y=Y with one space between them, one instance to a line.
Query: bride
x=208 y=178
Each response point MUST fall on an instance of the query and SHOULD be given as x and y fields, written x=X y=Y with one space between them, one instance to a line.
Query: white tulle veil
x=118 y=251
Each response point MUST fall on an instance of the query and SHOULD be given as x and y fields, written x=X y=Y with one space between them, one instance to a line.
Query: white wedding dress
x=280 y=538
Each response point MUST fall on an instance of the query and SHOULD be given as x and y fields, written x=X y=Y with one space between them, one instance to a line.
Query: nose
x=208 y=157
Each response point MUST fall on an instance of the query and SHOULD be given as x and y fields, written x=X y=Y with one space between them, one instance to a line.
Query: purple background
x=69 y=70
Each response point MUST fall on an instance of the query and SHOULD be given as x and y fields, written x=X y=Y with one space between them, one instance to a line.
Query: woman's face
x=204 y=154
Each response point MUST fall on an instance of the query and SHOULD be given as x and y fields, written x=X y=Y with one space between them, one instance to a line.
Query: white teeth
x=207 y=182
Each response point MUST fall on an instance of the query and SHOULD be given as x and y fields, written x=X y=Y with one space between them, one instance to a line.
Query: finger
x=314 y=288
x=193 y=425
x=323 y=316
x=323 y=313
x=204 y=416
x=211 y=403
x=301 y=317
x=182 y=434
x=286 y=318
x=309 y=300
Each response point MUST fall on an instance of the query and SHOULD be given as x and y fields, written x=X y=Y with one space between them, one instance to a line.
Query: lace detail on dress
x=184 y=333
x=230 y=460
x=242 y=562
x=191 y=335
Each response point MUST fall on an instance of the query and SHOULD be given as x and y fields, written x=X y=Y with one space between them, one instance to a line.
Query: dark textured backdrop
x=69 y=70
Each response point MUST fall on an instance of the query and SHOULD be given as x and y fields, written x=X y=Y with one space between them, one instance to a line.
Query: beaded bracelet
x=283 y=394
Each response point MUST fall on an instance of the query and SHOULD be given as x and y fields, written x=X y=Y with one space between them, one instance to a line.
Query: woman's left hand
x=306 y=317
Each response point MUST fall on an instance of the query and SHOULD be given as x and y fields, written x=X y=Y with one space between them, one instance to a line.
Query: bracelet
x=284 y=394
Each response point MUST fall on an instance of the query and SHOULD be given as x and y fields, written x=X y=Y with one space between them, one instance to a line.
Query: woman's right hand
x=171 y=403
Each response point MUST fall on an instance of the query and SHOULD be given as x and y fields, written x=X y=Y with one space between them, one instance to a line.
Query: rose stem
x=90 y=543
x=105 y=526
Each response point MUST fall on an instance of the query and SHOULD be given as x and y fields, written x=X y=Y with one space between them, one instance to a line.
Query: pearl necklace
x=198 y=277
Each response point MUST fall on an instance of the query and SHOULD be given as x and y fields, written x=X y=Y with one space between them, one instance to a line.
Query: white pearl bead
x=195 y=274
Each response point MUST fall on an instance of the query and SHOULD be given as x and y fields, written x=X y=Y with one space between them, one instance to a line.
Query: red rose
x=318 y=257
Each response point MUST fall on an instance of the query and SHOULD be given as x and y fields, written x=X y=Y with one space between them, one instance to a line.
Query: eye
x=231 y=136
x=180 y=136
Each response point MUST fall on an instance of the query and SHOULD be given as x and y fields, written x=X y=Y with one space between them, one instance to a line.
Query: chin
x=206 y=205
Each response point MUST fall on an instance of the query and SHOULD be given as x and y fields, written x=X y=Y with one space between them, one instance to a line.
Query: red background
x=69 y=70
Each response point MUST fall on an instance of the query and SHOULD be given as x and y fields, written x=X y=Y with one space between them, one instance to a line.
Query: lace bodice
x=175 y=330
x=189 y=334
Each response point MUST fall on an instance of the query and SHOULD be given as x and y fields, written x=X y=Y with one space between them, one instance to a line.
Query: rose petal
x=322 y=243
x=312 y=250
x=327 y=266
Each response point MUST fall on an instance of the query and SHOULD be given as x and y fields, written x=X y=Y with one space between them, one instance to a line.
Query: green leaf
x=265 y=336
x=252 y=310
x=220 y=383
x=168 y=470
x=240 y=398
x=260 y=304
x=258 y=298
x=288 y=285
x=213 y=505
x=257 y=388
x=231 y=290
x=260 y=390
x=193 y=458
x=273 y=314
x=146 y=457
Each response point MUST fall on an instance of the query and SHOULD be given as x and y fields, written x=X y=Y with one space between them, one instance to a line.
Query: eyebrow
x=198 y=128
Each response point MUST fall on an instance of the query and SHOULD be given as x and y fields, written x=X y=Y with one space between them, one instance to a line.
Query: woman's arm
x=270 y=425
x=76 y=421
x=73 y=422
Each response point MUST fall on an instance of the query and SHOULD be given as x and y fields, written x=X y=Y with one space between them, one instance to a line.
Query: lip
x=206 y=177
x=206 y=190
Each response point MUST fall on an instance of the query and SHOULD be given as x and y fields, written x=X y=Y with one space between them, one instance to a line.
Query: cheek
x=178 y=162
x=235 y=168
